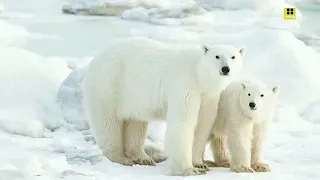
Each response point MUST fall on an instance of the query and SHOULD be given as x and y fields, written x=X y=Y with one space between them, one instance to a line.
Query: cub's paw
x=261 y=167
x=202 y=166
x=242 y=169
x=190 y=172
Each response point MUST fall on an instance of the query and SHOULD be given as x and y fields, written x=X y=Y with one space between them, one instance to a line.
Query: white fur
x=242 y=128
x=139 y=79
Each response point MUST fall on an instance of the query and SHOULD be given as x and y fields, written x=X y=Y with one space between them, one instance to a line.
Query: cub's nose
x=225 y=70
x=252 y=105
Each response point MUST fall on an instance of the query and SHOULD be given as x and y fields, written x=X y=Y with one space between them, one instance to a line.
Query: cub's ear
x=275 y=89
x=242 y=51
x=244 y=85
x=205 y=49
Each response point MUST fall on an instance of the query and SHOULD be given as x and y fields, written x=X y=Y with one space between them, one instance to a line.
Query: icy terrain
x=43 y=133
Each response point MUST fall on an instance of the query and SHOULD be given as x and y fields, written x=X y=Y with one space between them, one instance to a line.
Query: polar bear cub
x=137 y=80
x=245 y=109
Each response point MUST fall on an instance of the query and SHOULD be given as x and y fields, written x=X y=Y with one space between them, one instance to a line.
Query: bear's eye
x=249 y=94
x=261 y=95
x=233 y=57
x=217 y=57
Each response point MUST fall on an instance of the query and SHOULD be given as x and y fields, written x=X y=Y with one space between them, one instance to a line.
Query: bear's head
x=257 y=101
x=219 y=64
x=226 y=59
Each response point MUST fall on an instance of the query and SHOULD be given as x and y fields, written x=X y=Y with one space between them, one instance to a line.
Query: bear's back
x=141 y=50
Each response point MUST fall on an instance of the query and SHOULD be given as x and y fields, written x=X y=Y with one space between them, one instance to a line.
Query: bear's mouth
x=253 y=109
x=223 y=74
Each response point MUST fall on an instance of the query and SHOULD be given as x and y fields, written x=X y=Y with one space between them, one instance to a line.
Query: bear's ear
x=205 y=49
x=242 y=51
x=244 y=86
x=275 y=89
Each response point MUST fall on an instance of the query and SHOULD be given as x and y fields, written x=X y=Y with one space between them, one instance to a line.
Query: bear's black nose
x=252 y=104
x=225 y=70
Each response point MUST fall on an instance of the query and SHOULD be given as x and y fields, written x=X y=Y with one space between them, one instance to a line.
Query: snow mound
x=28 y=83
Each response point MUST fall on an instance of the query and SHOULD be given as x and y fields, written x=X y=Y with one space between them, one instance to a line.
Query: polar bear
x=240 y=129
x=139 y=79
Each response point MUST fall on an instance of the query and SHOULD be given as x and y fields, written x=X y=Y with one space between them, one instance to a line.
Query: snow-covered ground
x=42 y=138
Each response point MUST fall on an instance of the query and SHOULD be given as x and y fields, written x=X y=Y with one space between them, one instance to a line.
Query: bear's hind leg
x=135 y=133
x=108 y=132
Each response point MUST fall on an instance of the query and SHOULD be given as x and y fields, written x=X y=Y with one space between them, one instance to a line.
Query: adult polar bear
x=139 y=79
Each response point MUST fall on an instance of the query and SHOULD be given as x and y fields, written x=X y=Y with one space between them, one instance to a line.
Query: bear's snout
x=252 y=105
x=225 y=70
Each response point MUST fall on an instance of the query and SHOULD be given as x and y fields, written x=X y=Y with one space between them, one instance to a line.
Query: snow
x=44 y=54
x=190 y=12
x=1 y=6
x=9 y=32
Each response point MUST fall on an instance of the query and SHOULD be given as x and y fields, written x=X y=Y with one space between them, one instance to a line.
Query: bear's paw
x=261 y=167
x=202 y=166
x=242 y=169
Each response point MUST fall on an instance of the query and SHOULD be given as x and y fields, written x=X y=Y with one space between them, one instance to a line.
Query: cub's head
x=226 y=60
x=258 y=100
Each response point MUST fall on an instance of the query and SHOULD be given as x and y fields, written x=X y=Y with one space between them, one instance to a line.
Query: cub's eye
x=217 y=57
x=261 y=95
x=233 y=57
x=249 y=94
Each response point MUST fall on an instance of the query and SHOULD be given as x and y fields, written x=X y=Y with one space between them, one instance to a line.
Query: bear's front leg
x=182 y=118
x=220 y=151
x=259 y=138
x=207 y=115
x=239 y=143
